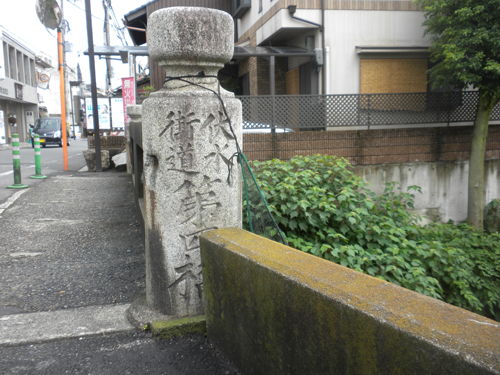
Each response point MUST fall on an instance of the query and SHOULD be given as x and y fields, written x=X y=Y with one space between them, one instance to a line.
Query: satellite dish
x=49 y=13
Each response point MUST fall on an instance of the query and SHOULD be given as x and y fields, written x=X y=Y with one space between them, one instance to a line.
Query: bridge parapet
x=276 y=310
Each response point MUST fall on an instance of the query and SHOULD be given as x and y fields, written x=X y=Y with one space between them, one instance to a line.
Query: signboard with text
x=103 y=113
x=43 y=80
x=128 y=95
x=117 y=113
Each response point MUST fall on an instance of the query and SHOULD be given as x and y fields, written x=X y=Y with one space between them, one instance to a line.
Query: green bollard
x=16 y=161
x=38 y=162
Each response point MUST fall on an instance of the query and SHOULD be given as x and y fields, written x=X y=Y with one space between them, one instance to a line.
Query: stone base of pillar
x=140 y=315
x=90 y=155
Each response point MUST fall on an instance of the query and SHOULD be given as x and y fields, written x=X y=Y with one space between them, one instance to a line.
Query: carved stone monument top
x=188 y=40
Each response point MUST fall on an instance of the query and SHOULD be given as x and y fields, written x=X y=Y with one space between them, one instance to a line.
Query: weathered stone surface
x=188 y=145
x=276 y=310
x=134 y=111
x=135 y=114
x=182 y=39
x=89 y=156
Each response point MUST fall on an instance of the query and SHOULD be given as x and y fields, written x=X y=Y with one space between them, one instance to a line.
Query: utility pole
x=106 y=4
x=90 y=38
x=63 y=36
x=63 y=77
x=63 y=98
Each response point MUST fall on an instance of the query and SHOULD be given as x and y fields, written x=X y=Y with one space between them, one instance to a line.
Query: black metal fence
x=318 y=112
x=375 y=146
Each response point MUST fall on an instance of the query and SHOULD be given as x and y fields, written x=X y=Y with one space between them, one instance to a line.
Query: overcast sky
x=20 y=19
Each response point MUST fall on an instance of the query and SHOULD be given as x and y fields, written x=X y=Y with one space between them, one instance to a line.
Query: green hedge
x=326 y=210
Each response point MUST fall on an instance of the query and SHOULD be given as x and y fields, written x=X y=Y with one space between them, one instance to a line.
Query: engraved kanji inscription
x=192 y=240
x=216 y=158
x=181 y=129
x=201 y=209
x=199 y=203
x=180 y=126
x=186 y=156
x=217 y=125
x=192 y=275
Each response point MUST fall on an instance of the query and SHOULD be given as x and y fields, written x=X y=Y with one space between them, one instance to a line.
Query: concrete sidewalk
x=27 y=144
x=72 y=261
x=9 y=146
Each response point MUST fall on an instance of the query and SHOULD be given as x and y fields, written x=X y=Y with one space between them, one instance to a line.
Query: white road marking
x=6 y=173
x=11 y=200
x=11 y=172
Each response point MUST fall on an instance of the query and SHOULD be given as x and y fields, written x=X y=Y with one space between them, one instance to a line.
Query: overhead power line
x=119 y=31
x=83 y=10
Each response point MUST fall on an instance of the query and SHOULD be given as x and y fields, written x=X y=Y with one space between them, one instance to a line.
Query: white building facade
x=369 y=46
x=18 y=92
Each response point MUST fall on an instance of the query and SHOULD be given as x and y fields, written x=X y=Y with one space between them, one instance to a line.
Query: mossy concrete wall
x=276 y=310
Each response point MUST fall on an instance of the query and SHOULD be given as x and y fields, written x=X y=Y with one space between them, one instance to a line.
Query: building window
x=260 y=6
x=244 y=84
x=20 y=67
x=6 y=59
x=19 y=91
x=33 y=73
x=12 y=63
x=387 y=76
x=27 y=69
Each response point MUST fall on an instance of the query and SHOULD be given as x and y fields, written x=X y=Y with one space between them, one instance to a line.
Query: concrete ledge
x=276 y=310
x=179 y=327
x=140 y=315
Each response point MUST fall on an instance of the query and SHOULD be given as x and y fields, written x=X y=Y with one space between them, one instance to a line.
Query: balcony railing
x=330 y=111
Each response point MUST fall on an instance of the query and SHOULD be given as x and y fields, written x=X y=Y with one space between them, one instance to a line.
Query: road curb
x=35 y=328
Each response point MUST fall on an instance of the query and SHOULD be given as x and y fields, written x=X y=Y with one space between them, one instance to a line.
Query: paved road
x=52 y=162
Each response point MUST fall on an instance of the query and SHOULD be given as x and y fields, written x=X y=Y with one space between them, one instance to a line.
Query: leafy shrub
x=492 y=216
x=326 y=210
x=467 y=265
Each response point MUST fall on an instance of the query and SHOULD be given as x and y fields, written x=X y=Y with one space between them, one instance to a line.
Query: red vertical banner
x=128 y=95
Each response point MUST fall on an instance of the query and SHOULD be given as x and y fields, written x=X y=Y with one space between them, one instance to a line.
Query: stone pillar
x=188 y=146
x=135 y=114
x=133 y=132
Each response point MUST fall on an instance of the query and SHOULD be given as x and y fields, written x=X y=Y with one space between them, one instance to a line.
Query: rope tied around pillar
x=257 y=212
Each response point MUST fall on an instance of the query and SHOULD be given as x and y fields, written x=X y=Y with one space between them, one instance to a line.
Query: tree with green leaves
x=466 y=52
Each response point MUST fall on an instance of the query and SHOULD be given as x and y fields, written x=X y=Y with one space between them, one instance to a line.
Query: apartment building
x=363 y=47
